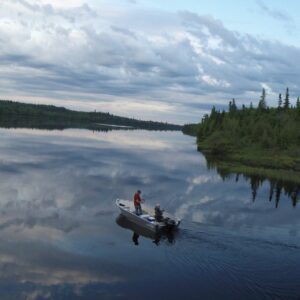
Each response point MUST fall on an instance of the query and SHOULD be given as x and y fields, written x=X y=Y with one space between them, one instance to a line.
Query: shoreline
x=259 y=163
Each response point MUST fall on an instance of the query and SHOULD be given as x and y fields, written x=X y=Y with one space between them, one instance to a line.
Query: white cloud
x=200 y=180
x=74 y=50
x=214 y=82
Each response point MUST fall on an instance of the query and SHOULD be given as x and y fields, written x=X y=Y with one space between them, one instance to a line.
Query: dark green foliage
x=265 y=137
x=298 y=103
x=232 y=106
x=16 y=114
x=286 y=104
x=190 y=129
x=259 y=144
x=279 y=101
x=280 y=181
x=262 y=104
x=249 y=130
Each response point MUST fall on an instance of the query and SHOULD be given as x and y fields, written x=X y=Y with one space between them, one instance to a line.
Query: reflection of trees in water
x=53 y=124
x=44 y=123
x=277 y=187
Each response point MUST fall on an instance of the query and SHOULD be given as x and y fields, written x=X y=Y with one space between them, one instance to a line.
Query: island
x=260 y=140
x=24 y=115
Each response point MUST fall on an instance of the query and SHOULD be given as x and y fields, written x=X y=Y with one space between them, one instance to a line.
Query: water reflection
x=59 y=238
x=277 y=187
x=10 y=122
x=156 y=237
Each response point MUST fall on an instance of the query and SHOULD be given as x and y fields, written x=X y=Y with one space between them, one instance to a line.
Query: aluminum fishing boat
x=147 y=218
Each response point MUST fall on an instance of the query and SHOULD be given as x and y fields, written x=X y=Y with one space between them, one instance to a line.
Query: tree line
x=260 y=127
x=16 y=112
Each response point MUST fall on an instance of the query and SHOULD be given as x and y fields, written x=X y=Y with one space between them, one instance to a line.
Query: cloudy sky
x=162 y=60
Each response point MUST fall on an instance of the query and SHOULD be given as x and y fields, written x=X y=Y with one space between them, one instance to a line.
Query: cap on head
x=139 y=191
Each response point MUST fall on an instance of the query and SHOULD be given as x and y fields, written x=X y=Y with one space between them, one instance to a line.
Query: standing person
x=137 y=202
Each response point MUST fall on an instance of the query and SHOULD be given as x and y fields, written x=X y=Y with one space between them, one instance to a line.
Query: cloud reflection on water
x=57 y=212
x=57 y=188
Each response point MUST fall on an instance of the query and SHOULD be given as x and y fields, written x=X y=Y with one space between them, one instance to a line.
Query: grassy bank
x=282 y=168
x=253 y=157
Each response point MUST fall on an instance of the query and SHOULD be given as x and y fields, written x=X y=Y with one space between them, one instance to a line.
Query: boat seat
x=147 y=217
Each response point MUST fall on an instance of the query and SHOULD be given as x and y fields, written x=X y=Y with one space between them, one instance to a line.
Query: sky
x=160 y=60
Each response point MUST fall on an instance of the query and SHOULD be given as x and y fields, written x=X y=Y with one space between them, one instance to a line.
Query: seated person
x=158 y=213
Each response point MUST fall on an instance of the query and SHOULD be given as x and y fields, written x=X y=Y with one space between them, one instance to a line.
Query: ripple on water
x=223 y=264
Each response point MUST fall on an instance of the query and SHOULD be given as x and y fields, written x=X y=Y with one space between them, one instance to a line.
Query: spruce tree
x=262 y=104
x=213 y=112
x=280 y=101
x=298 y=103
x=230 y=106
x=234 y=107
x=286 y=104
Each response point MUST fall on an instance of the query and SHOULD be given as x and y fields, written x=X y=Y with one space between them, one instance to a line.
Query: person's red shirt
x=137 y=199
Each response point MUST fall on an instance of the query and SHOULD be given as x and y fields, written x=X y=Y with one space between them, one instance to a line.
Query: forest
x=16 y=114
x=259 y=136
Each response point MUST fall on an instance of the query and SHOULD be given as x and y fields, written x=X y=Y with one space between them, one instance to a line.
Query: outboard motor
x=169 y=223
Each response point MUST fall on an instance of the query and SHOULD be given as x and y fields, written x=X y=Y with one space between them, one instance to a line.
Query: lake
x=61 y=236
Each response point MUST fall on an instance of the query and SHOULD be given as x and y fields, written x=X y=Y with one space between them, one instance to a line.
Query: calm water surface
x=61 y=237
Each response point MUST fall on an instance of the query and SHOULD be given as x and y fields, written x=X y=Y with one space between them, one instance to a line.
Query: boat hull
x=138 y=220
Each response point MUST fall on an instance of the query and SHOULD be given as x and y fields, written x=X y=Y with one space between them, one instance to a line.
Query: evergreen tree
x=298 y=103
x=230 y=106
x=265 y=128
x=213 y=112
x=262 y=104
x=234 y=107
x=280 y=101
x=286 y=104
